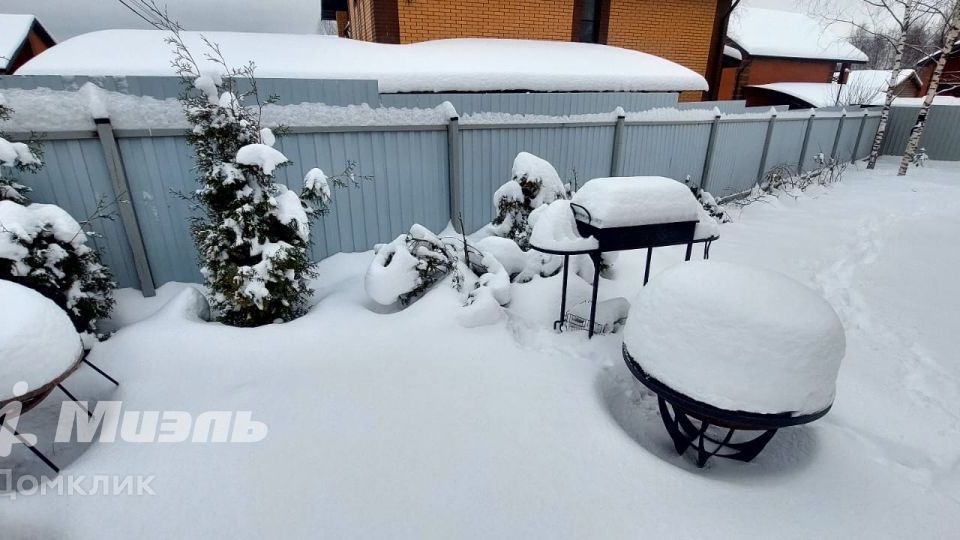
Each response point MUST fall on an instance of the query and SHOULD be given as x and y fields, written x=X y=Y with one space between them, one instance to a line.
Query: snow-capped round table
x=39 y=349
x=729 y=348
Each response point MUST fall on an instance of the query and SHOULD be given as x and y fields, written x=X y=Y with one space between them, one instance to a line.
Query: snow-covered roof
x=432 y=66
x=864 y=87
x=934 y=56
x=787 y=34
x=14 y=29
x=732 y=52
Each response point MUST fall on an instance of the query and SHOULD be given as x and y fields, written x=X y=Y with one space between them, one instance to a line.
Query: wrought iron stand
x=688 y=422
x=31 y=399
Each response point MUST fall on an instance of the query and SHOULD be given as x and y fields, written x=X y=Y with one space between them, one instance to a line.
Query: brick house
x=21 y=38
x=949 y=79
x=779 y=47
x=688 y=32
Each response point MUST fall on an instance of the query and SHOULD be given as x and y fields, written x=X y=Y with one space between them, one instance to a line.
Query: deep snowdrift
x=407 y=425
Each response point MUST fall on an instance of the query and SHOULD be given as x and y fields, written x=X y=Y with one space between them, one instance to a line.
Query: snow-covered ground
x=406 y=424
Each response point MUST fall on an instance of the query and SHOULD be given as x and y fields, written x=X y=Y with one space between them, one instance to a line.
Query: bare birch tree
x=950 y=12
x=905 y=16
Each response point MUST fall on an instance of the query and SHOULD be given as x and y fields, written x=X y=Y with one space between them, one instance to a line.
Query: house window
x=590 y=21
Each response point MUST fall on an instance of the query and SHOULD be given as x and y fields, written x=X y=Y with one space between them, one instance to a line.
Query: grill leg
x=689 y=251
x=706 y=250
x=558 y=325
x=646 y=269
x=596 y=257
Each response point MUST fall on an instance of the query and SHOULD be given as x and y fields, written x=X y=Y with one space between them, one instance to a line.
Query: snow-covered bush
x=43 y=247
x=710 y=205
x=534 y=182
x=406 y=268
x=15 y=157
x=254 y=236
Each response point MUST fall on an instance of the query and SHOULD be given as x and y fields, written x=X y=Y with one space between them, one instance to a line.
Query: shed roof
x=788 y=34
x=465 y=65
x=14 y=29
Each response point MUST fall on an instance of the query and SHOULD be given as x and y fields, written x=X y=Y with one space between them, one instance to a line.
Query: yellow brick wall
x=361 y=20
x=678 y=30
x=421 y=20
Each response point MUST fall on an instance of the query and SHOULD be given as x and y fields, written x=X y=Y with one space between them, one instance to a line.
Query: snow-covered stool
x=620 y=213
x=728 y=348
x=39 y=350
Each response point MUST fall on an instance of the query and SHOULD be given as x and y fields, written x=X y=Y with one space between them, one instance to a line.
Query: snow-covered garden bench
x=39 y=350
x=621 y=213
x=727 y=349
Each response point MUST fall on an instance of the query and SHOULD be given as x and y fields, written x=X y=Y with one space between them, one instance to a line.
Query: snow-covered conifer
x=534 y=182
x=43 y=247
x=254 y=236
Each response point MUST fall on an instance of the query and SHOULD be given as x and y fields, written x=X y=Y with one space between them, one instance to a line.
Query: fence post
x=836 y=139
x=766 y=145
x=453 y=162
x=128 y=214
x=806 y=140
x=711 y=142
x=856 y=145
x=616 y=159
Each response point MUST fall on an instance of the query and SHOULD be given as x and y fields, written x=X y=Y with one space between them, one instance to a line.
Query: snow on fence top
x=432 y=66
x=48 y=110
x=770 y=32
x=948 y=101
x=13 y=30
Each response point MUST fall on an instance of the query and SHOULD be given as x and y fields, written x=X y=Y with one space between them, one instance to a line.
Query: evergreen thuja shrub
x=44 y=248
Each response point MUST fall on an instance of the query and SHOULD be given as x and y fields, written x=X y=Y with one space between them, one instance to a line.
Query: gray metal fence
x=413 y=181
x=941 y=135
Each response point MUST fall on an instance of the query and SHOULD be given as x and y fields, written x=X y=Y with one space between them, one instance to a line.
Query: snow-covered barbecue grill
x=621 y=213
x=730 y=350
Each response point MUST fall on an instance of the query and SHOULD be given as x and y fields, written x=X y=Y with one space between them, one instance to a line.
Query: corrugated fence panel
x=869 y=132
x=848 y=137
x=785 y=142
x=75 y=177
x=941 y=135
x=940 y=140
x=553 y=103
x=821 y=140
x=160 y=172
x=407 y=184
x=736 y=157
x=331 y=92
x=671 y=150
x=578 y=154
x=899 y=124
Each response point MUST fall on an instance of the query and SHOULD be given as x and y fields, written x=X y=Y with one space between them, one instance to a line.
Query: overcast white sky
x=66 y=18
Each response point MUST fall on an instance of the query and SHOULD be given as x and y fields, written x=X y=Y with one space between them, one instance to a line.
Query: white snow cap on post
x=447 y=65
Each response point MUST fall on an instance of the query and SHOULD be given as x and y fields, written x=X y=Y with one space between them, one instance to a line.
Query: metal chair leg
x=75 y=400
x=101 y=372
x=32 y=448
